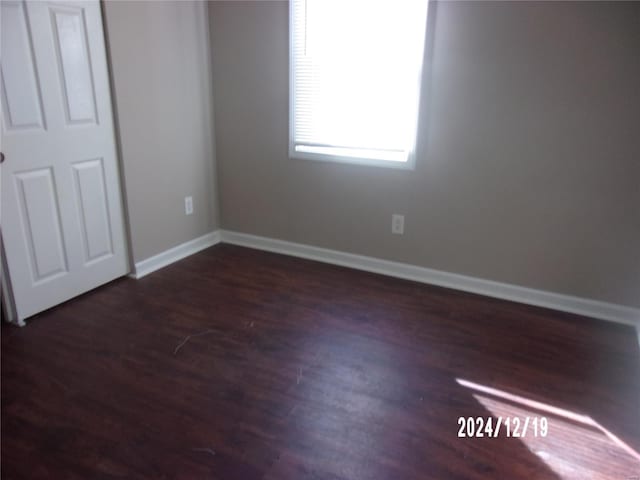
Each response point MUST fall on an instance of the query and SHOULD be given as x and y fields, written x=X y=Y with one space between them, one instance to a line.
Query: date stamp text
x=515 y=427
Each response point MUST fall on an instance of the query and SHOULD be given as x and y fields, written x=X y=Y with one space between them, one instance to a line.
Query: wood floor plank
x=241 y=364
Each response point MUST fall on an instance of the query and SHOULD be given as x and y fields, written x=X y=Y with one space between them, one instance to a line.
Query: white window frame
x=410 y=162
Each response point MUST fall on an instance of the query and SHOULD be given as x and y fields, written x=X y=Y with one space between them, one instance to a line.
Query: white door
x=62 y=222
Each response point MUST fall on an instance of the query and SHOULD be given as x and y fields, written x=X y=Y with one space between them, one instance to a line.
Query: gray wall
x=528 y=166
x=160 y=65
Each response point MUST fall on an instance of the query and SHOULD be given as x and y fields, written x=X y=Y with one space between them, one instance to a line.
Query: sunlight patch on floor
x=575 y=446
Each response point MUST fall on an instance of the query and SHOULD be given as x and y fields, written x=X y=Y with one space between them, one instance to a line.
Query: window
x=355 y=73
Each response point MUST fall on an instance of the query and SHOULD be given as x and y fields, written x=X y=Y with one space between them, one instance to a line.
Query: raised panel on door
x=74 y=65
x=36 y=196
x=21 y=97
x=93 y=209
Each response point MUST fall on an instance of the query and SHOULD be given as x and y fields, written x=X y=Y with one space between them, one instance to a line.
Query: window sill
x=409 y=164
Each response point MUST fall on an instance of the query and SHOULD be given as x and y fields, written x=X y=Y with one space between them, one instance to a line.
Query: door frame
x=9 y=313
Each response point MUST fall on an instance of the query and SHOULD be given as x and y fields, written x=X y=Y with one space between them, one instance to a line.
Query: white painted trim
x=151 y=264
x=530 y=296
x=9 y=312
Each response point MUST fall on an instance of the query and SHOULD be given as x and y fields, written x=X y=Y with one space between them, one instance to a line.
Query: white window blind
x=355 y=68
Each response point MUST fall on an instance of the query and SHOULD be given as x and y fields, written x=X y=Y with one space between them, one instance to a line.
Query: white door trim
x=8 y=304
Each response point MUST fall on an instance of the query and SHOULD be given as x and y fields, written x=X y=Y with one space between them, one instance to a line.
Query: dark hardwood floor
x=300 y=370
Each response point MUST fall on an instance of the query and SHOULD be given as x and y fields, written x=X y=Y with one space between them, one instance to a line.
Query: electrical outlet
x=188 y=205
x=397 y=224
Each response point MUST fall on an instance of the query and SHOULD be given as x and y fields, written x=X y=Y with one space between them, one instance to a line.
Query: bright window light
x=355 y=74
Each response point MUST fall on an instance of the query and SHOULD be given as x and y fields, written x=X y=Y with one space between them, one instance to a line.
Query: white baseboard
x=174 y=254
x=541 y=298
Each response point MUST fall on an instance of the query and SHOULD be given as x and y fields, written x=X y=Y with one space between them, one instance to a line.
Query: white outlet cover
x=397 y=224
